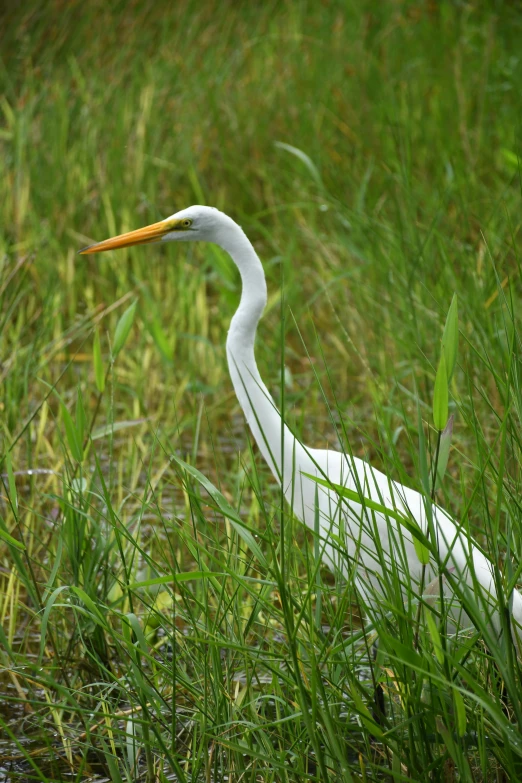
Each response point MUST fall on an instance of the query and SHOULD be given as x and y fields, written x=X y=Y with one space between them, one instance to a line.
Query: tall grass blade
x=440 y=395
x=123 y=328
x=450 y=338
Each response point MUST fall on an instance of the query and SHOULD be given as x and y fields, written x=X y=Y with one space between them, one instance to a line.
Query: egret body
x=349 y=530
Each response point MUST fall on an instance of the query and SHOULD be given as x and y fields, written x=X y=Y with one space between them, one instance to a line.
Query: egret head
x=191 y=224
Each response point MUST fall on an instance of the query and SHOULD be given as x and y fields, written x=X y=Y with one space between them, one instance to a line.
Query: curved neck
x=258 y=406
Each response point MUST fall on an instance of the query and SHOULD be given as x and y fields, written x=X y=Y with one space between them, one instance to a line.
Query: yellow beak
x=142 y=236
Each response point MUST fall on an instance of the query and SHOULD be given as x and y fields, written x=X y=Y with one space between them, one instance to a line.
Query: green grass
x=249 y=661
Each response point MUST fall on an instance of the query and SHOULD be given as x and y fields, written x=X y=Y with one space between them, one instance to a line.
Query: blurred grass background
x=398 y=185
x=117 y=116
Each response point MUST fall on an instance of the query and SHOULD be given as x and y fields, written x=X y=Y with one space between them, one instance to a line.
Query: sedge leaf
x=450 y=338
x=80 y=417
x=13 y=495
x=123 y=328
x=73 y=438
x=460 y=709
x=183 y=576
x=94 y=609
x=160 y=338
x=8 y=538
x=364 y=713
x=224 y=506
x=304 y=158
x=99 y=374
x=422 y=552
x=407 y=521
x=440 y=395
x=109 y=429
x=444 y=450
x=423 y=462
x=435 y=637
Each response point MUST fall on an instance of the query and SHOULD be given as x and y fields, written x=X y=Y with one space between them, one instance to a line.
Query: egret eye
x=186 y=223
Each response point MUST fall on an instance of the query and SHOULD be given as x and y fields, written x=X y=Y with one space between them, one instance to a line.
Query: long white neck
x=258 y=406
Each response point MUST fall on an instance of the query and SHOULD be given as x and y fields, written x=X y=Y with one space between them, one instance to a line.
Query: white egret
x=365 y=540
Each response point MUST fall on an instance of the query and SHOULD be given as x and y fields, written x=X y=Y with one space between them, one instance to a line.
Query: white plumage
x=348 y=530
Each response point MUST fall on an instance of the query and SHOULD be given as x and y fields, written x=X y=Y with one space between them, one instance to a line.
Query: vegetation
x=163 y=615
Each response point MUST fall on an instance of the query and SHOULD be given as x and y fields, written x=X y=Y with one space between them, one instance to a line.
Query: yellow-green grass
x=370 y=152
